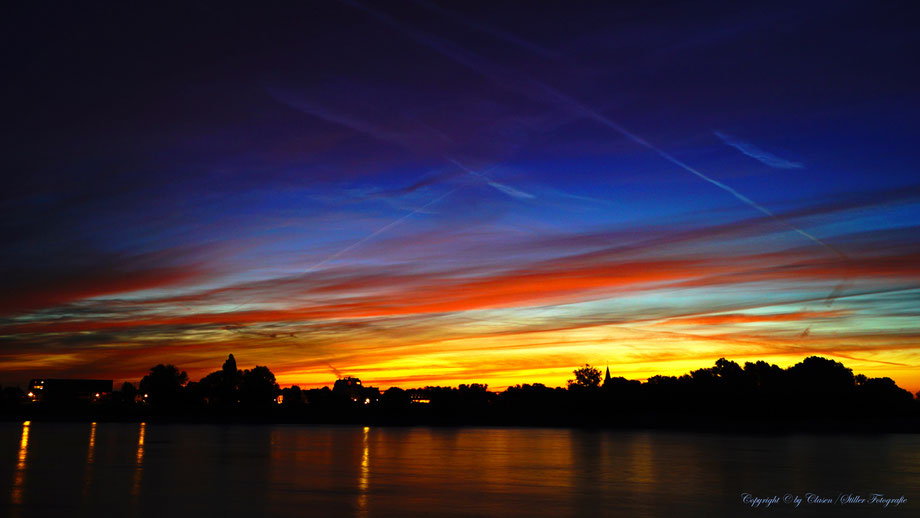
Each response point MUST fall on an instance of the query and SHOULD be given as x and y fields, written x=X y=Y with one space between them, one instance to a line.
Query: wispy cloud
x=507 y=189
x=511 y=191
x=540 y=91
x=758 y=154
x=402 y=139
x=311 y=182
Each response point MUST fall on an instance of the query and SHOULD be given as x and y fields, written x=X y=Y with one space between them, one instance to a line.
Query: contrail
x=510 y=191
x=838 y=289
x=541 y=92
x=238 y=328
x=379 y=231
x=758 y=154
x=334 y=370
x=335 y=117
x=496 y=33
x=360 y=241
x=372 y=131
x=507 y=189
x=686 y=167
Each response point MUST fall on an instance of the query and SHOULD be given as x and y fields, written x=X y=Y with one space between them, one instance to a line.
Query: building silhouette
x=352 y=388
x=59 y=389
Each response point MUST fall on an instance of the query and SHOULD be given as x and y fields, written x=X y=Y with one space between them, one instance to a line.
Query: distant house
x=58 y=389
x=420 y=397
x=354 y=390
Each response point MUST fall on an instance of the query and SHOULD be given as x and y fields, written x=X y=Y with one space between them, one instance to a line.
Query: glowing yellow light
x=31 y=394
x=139 y=460
x=364 y=475
x=90 y=453
x=92 y=443
x=19 y=477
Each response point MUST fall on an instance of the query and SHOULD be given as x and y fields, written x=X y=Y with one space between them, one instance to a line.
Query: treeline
x=816 y=392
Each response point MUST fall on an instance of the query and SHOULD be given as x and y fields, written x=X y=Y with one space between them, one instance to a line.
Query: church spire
x=607 y=377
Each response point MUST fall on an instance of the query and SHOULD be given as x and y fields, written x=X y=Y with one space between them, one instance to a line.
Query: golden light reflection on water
x=20 y=476
x=90 y=458
x=363 y=475
x=641 y=466
x=139 y=461
x=325 y=471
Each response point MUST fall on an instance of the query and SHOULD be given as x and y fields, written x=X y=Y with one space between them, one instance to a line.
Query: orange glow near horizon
x=534 y=323
x=422 y=197
x=501 y=359
x=639 y=353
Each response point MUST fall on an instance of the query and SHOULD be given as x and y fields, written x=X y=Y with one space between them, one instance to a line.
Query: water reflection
x=139 y=461
x=246 y=471
x=20 y=476
x=90 y=459
x=641 y=465
x=588 y=467
x=363 y=475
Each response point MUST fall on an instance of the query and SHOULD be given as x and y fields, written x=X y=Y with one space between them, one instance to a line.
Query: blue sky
x=436 y=192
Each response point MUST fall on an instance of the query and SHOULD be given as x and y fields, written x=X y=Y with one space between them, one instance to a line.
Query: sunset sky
x=435 y=193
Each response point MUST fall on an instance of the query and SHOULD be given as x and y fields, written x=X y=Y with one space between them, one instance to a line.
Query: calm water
x=51 y=469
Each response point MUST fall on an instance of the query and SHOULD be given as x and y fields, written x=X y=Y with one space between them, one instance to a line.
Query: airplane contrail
x=683 y=165
x=372 y=131
x=360 y=241
x=368 y=129
x=758 y=154
x=541 y=92
x=334 y=370
x=497 y=33
x=379 y=231
x=507 y=189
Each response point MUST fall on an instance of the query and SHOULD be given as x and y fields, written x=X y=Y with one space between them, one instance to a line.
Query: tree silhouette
x=128 y=392
x=163 y=383
x=586 y=377
x=257 y=387
x=765 y=377
x=221 y=388
x=229 y=366
x=823 y=377
x=817 y=392
x=728 y=371
x=293 y=396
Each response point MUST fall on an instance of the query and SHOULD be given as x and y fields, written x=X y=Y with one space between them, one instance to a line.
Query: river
x=150 y=469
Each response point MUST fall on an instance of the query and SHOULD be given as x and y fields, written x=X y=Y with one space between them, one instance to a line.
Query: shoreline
x=810 y=427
